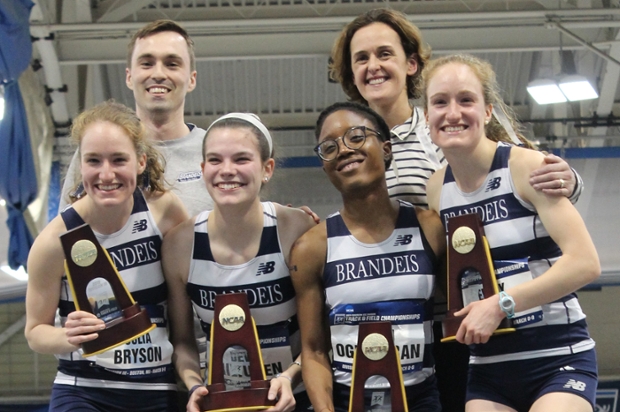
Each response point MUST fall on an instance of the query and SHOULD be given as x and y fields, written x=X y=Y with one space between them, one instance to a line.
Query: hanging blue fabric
x=15 y=44
x=18 y=180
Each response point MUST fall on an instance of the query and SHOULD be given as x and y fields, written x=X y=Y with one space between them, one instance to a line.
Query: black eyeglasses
x=353 y=138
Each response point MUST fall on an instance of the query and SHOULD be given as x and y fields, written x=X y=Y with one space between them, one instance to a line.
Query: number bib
x=510 y=273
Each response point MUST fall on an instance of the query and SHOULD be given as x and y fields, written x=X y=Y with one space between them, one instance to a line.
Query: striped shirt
x=416 y=158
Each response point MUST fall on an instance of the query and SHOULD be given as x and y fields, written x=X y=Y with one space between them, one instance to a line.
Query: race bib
x=510 y=273
x=407 y=318
x=148 y=355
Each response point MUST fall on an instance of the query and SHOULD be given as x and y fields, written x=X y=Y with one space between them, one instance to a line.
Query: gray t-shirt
x=183 y=173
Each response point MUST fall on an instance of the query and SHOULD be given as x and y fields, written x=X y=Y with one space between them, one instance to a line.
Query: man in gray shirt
x=161 y=70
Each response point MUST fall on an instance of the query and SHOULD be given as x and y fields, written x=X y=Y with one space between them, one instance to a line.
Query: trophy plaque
x=470 y=271
x=98 y=288
x=376 y=355
x=236 y=377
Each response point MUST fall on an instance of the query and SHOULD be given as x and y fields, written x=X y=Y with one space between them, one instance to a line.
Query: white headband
x=251 y=118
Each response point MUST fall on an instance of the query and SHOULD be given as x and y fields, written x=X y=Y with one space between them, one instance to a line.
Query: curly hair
x=410 y=37
x=152 y=179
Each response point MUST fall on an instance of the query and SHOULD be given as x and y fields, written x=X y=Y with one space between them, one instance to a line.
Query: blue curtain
x=18 y=181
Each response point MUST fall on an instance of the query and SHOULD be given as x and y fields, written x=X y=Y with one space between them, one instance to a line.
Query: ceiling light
x=572 y=88
x=577 y=88
x=545 y=91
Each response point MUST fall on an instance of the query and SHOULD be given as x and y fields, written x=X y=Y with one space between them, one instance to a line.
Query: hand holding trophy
x=97 y=288
x=471 y=276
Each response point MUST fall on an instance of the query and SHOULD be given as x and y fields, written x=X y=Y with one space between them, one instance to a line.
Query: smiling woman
x=125 y=204
x=353 y=143
x=526 y=369
x=226 y=249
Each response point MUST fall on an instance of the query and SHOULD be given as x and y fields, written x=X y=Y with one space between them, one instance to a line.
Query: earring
x=146 y=181
x=79 y=191
x=486 y=122
x=266 y=179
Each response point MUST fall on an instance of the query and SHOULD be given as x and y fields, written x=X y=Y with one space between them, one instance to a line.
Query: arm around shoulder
x=292 y=223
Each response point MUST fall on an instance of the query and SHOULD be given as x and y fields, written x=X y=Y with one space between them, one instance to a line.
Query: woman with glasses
x=375 y=257
x=243 y=244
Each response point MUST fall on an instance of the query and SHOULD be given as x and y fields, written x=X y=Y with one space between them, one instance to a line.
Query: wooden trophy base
x=253 y=398
x=135 y=323
x=450 y=325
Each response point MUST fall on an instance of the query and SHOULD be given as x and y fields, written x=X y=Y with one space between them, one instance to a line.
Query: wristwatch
x=507 y=304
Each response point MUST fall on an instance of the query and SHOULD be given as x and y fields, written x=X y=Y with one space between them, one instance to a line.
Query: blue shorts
x=423 y=397
x=518 y=384
x=67 y=398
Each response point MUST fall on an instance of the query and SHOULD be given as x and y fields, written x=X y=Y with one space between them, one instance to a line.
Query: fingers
x=310 y=213
x=274 y=389
x=281 y=389
x=464 y=311
x=82 y=327
x=193 y=405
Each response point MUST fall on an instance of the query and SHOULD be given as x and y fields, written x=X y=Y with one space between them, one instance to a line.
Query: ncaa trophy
x=471 y=276
x=98 y=288
x=234 y=384
x=376 y=355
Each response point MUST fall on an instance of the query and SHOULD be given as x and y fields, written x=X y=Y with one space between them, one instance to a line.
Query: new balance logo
x=265 y=268
x=139 y=226
x=403 y=240
x=567 y=368
x=576 y=385
x=493 y=184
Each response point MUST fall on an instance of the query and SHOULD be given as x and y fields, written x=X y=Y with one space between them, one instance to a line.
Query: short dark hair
x=159 y=26
x=366 y=112
x=410 y=37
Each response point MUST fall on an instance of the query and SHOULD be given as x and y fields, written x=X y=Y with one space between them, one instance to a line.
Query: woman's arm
x=306 y=267
x=292 y=223
x=555 y=177
x=45 y=271
x=579 y=264
x=176 y=257
x=433 y=189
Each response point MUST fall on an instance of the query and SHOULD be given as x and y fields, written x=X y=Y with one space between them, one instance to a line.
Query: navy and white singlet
x=521 y=249
x=146 y=362
x=389 y=281
x=266 y=281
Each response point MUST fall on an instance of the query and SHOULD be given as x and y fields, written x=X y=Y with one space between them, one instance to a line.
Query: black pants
x=451 y=360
